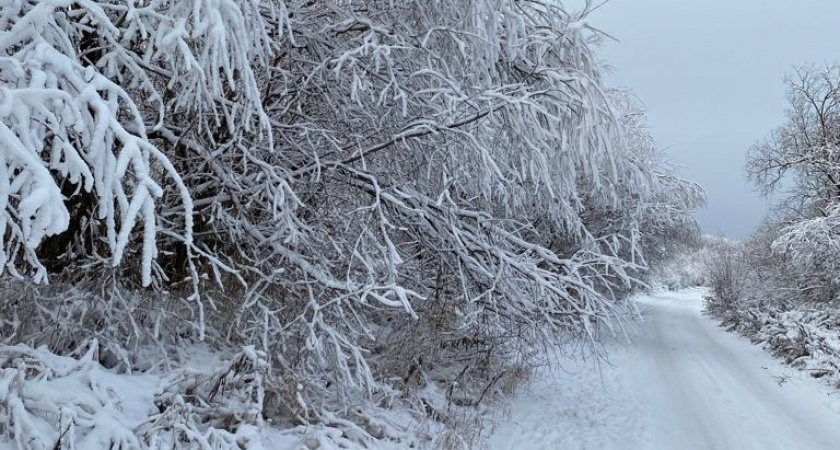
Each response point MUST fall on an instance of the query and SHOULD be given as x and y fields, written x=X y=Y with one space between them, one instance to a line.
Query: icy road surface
x=682 y=384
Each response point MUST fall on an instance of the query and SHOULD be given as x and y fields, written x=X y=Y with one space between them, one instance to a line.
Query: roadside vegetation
x=780 y=286
x=348 y=222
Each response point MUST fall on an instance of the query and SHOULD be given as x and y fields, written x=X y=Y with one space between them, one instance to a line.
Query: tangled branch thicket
x=387 y=200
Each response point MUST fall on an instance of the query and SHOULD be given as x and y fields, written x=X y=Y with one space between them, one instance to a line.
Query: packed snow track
x=682 y=383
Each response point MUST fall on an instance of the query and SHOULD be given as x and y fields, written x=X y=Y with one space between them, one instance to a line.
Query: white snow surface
x=677 y=381
x=97 y=408
x=680 y=383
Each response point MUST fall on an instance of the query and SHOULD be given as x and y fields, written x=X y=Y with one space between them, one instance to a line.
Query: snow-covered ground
x=683 y=383
x=577 y=407
x=678 y=383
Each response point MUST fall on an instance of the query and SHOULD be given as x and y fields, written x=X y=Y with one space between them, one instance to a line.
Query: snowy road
x=683 y=384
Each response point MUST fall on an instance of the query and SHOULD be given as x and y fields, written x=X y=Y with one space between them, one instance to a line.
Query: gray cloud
x=710 y=75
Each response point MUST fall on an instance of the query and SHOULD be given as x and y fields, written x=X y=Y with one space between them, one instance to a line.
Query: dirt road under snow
x=682 y=384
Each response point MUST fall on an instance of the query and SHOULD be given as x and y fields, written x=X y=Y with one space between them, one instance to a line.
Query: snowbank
x=805 y=338
x=56 y=402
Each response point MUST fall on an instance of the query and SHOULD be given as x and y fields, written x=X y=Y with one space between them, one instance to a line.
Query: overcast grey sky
x=709 y=72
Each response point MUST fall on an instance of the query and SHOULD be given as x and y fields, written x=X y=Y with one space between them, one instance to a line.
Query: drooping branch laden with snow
x=378 y=195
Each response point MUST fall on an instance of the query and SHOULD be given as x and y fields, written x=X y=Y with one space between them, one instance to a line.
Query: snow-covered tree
x=801 y=161
x=378 y=195
x=804 y=150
